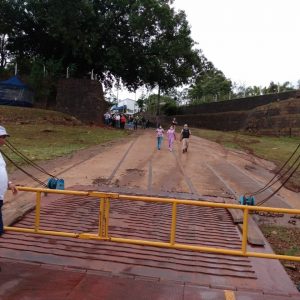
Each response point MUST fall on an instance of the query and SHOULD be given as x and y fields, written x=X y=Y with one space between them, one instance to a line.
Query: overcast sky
x=252 y=42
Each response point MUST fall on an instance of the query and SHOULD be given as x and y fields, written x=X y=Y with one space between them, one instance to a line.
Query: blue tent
x=14 y=92
x=14 y=81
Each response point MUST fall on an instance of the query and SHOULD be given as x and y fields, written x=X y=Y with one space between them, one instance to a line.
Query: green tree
x=141 y=103
x=43 y=77
x=252 y=91
x=138 y=42
x=213 y=83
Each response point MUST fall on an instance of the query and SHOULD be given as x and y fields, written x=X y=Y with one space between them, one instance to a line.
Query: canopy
x=14 y=81
x=14 y=92
x=119 y=108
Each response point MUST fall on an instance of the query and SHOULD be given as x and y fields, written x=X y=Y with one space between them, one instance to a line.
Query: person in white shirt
x=4 y=183
x=118 y=121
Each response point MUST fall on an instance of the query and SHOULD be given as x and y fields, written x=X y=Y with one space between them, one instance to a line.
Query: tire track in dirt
x=121 y=161
x=185 y=176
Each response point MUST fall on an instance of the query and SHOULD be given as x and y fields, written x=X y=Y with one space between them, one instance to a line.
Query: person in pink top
x=171 y=137
x=159 y=134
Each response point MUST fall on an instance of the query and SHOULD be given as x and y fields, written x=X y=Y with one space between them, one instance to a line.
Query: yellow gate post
x=173 y=224
x=37 y=212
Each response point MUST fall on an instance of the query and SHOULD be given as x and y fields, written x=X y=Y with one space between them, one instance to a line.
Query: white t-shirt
x=3 y=178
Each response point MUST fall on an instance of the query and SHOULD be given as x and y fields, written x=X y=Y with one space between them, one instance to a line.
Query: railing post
x=173 y=225
x=37 y=212
x=101 y=218
x=107 y=206
x=245 y=231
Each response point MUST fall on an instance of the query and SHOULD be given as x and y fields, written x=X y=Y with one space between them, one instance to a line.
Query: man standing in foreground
x=184 y=137
x=4 y=183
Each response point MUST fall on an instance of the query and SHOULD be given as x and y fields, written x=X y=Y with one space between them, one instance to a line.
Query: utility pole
x=158 y=102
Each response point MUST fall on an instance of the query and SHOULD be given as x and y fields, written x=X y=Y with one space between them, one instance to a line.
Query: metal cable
x=26 y=159
x=270 y=183
x=285 y=181
x=21 y=169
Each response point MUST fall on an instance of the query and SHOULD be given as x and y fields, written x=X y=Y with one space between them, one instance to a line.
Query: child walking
x=184 y=137
x=159 y=135
x=171 y=137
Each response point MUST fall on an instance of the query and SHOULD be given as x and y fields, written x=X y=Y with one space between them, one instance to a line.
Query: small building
x=14 y=92
x=128 y=106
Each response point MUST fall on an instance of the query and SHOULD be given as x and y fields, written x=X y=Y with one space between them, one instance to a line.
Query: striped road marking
x=229 y=295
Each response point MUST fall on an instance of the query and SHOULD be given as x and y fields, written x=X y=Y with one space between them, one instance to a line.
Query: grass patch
x=285 y=241
x=275 y=149
x=44 y=141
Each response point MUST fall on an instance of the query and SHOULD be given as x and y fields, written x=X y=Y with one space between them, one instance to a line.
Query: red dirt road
x=134 y=166
x=208 y=171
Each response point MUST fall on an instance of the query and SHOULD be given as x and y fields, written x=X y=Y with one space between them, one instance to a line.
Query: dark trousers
x=1 y=221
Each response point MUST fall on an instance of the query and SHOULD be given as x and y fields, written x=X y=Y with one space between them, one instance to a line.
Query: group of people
x=185 y=134
x=120 y=120
x=115 y=120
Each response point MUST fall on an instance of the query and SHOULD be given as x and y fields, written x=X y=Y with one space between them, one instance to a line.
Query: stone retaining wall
x=83 y=99
x=278 y=118
x=242 y=104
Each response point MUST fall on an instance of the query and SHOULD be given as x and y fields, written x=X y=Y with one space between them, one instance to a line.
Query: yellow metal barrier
x=104 y=208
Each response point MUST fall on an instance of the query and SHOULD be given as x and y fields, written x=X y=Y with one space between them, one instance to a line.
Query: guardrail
x=104 y=212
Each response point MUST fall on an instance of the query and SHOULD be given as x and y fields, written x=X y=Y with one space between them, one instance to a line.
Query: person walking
x=184 y=137
x=171 y=137
x=4 y=183
x=117 y=121
x=122 y=121
x=135 y=122
x=143 y=122
x=174 y=123
x=106 y=118
x=159 y=135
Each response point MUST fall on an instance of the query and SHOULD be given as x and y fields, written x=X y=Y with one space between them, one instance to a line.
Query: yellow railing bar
x=104 y=222
x=159 y=244
x=163 y=200
x=69 y=192
x=45 y=232
x=208 y=204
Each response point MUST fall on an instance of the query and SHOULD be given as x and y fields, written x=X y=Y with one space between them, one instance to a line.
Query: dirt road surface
x=207 y=171
x=134 y=166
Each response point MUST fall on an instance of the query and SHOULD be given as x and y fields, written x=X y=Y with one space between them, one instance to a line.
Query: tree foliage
x=240 y=91
x=141 y=42
x=212 y=83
